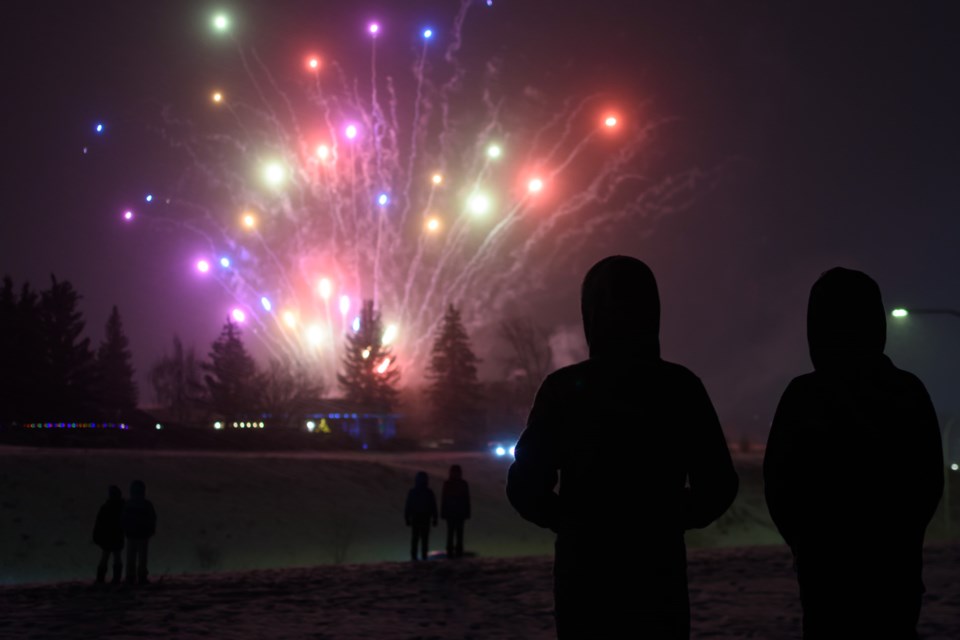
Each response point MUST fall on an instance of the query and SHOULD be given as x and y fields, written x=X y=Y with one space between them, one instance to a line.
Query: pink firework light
x=238 y=315
x=128 y=215
x=457 y=203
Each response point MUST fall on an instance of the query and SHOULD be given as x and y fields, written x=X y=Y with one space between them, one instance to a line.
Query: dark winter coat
x=853 y=469
x=108 y=529
x=455 y=497
x=421 y=507
x=139 y=518
x=623 y=432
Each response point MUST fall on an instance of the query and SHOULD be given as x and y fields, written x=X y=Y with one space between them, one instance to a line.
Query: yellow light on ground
x=436 y=178
x=433 y=224
x=325 y=288
x=899 y=313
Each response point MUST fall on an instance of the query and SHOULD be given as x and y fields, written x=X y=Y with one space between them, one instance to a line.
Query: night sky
x=829 y=136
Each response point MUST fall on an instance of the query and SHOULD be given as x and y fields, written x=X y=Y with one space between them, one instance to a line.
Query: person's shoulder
x=677 y=374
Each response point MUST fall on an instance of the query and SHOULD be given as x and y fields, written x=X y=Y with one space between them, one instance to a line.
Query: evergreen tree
x=370 y=372
x=177 y=382
x=68 y=366
x=454 y=390
x=117 y=392
x=232 y=378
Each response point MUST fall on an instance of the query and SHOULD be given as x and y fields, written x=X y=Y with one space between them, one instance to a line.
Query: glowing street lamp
x=313 y=63
x=899 y=313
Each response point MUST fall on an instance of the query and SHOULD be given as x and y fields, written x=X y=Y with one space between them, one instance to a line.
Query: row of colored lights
x=76 y=425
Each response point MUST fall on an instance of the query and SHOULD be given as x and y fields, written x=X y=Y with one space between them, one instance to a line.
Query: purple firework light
x=476 y=210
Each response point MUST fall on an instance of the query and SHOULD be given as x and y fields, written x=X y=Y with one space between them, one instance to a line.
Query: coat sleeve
x=780 y=470
x=928 y=474
x=712 y=478
x=534 y=473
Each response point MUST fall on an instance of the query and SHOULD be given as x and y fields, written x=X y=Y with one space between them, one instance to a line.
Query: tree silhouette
x=177 y=382
x=116 y=390
x=232 y=378
x=370 y=372
x=68 y=363
x=290 y=390
x=454 y=391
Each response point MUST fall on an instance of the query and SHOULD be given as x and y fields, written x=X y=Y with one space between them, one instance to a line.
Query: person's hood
x=456 y=473
x=138 y=490
x=846 y=322
x=620 y=305
x=421 y=480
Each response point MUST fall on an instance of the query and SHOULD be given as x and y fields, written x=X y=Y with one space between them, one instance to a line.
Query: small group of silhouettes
x=421 y=512
x=132 y=522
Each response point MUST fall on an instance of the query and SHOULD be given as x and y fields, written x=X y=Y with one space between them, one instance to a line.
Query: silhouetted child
x=455 y=508
x=853 y=470
x=623 y=432
x=139 y=525
x=420 y=510
x=108 y=535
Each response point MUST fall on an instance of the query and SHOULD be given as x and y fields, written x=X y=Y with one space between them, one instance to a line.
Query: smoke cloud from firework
x=416 y=191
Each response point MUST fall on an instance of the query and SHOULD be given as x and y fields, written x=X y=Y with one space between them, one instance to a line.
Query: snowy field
x=313 y=545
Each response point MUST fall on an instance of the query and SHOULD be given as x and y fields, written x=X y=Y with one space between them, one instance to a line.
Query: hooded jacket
x=139 y=517
x=421 y=505
x=108 y=529
x=455 y=497
x=623 y=432
x=853 y=469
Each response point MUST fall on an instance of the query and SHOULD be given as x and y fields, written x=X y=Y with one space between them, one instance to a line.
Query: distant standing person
x=108 y=535
x=853 y=470
x=139 y=525
x=455 y=509
x=640 y=457
x=420 y=511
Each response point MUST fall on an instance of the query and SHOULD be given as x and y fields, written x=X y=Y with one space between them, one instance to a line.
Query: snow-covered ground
x=746 y=592
x=230 y=522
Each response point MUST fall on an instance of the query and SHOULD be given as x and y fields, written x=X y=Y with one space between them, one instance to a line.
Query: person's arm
x=929 y=459
x=712 y=478
x=534 y=473
x=779 y=466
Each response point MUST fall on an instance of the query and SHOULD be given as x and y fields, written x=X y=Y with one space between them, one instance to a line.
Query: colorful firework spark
x=413 y=192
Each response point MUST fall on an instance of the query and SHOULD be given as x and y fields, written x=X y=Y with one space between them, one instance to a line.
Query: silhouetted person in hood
x=420 y=511
x=632 y=439
x=455 y=509
x=853 y=470
x=108 y=534
x=139 y=525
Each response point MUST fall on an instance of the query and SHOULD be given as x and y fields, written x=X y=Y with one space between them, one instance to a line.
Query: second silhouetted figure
x=455 y=509
x=854 y=470
x=640 y=457
x=420 y=511
x=139 y=525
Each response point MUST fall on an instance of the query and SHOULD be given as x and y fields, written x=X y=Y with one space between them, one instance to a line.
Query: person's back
x=625 y=431
x=419 y=511
x=455 y=509
x=139 y=525
x=853 y=470
x=108 y=534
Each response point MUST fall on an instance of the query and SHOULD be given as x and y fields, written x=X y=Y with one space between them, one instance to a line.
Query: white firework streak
x=324 y=221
